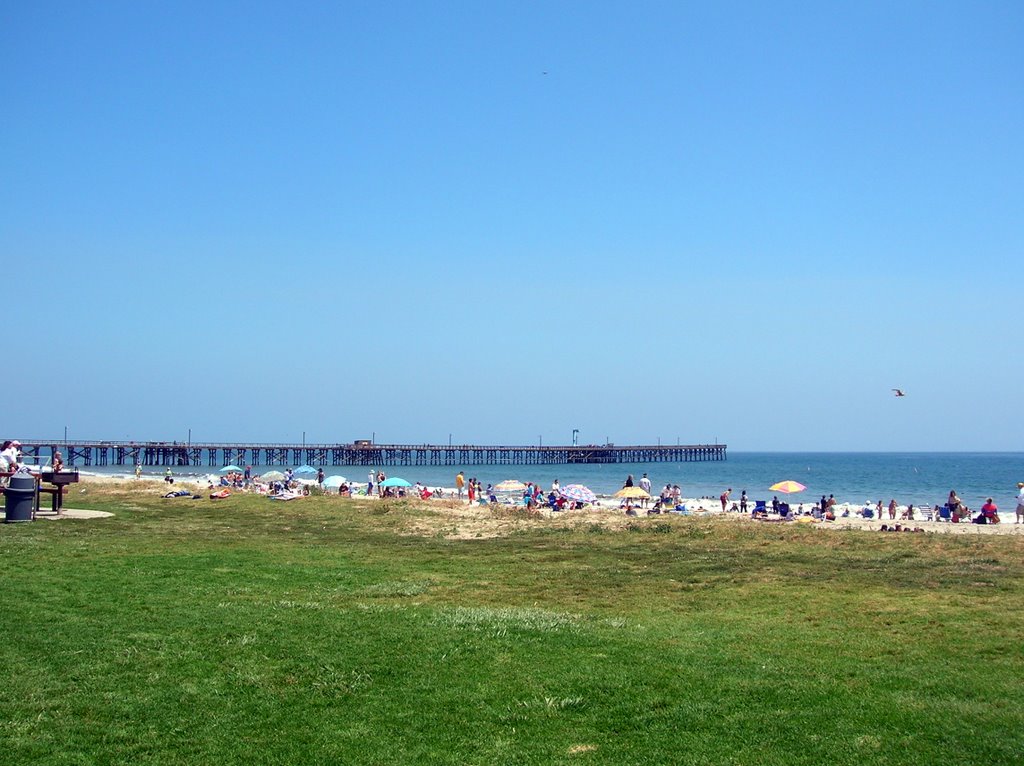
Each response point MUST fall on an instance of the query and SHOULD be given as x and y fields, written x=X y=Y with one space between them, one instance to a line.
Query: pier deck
x=107 y=453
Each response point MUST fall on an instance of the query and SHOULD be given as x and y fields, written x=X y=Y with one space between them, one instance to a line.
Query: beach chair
x=945 y=513
x=927 y=514
x=760 y=506
x=783 y=509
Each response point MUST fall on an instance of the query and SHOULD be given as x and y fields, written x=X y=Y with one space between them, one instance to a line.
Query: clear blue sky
x=505 y=220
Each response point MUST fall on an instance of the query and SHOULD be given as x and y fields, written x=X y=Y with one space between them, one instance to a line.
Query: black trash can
x=19 y=498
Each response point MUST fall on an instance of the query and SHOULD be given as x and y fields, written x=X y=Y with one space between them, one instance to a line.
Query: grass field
x=328 y=631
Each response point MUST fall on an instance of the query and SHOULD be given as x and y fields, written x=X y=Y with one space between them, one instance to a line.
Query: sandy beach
x=475 y=520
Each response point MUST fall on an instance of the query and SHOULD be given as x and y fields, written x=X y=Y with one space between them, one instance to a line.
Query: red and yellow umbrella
x=787 y=487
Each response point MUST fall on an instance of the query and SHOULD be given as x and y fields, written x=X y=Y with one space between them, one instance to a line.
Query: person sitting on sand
x=990 y=512
x=955 y=505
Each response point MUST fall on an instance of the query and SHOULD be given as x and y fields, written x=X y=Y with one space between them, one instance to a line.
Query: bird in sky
x=898 y=392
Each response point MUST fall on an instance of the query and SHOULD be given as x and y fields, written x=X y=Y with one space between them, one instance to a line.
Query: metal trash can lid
x=22 y=483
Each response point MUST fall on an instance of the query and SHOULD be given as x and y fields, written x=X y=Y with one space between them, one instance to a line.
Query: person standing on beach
x=1020 y=501
x=320 y=477
x=460 y=483
x=724 y=498
x=629 y=481
x=743 y=501
x=645 y=485
x=138 y=471
x=369 y=482
x=892 y=508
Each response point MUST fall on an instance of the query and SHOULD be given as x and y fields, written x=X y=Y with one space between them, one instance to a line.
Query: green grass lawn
x=320 y=631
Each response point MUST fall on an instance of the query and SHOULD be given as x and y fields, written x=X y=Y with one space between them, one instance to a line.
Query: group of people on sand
x=825 y=510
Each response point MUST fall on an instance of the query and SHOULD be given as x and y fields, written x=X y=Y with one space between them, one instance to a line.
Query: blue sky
x=742 y=222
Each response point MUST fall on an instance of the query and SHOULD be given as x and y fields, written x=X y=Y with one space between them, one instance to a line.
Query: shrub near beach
x=318 y=631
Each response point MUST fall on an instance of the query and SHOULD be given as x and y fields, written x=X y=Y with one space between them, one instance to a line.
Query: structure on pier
x=105 y=453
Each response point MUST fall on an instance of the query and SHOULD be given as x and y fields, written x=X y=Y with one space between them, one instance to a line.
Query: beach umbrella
x=634 y=492
x=578 y=492
x=787 y=487
x=335 y=481
x=395 y=481
x=510 y=485
x=272 y=476
x=231 y=468
x=305 y=469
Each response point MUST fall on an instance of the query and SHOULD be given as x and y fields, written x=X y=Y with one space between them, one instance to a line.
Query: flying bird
x=898 y=392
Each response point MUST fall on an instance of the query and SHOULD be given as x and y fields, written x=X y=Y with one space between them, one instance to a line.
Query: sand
x=477 y=521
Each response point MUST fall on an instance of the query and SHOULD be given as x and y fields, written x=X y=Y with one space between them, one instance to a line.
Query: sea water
x=918 y=478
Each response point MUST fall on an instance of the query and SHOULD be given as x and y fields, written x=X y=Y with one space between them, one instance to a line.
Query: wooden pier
x=106 y=453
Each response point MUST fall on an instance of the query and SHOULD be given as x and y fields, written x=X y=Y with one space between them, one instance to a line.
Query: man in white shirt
x=9 y=456
x=645 y=485
x=1020 y=502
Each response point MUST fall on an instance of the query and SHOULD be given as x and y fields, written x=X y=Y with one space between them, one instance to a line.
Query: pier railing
x=108 y=453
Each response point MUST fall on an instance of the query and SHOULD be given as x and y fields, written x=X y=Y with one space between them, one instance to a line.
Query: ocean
x=916 y=478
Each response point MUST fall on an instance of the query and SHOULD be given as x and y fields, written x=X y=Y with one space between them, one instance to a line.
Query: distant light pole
x=303 y=438
x=575 y=436
x=65 y=438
